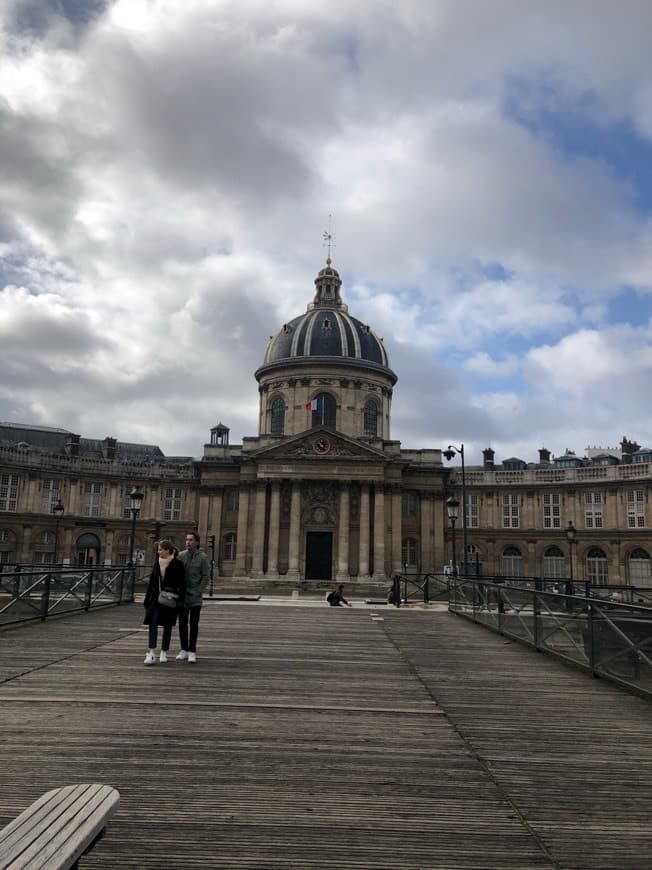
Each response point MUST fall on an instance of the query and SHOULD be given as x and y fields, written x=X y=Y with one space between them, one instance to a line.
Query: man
x=197 y=569
x=336 y=598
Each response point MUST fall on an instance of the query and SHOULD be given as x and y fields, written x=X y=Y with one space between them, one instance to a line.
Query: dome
x=326 y=329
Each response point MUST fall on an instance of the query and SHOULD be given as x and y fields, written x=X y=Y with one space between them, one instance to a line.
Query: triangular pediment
x=319 y=443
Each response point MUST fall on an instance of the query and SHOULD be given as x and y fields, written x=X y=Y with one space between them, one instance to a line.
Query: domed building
x=323 y=492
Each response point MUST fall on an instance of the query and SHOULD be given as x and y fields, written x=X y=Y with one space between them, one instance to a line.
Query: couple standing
x=184 y=575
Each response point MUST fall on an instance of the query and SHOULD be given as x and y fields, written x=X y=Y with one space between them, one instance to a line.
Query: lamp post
x=571 y=533
x=452 y=506
x=449 y=453
x=135 y=503
x=58 y=511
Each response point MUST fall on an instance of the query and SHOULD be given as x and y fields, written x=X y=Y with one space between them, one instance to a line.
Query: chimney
x=627 y=449
x=72 y=445
x=488 y=455
x=544 y=456
x=108 y=448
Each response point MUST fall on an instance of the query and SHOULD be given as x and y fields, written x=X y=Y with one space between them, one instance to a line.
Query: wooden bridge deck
x=316 y=737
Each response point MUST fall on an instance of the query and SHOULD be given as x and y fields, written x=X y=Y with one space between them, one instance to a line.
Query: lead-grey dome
x=326 y=329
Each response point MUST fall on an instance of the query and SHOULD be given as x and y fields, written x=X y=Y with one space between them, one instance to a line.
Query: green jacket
x=198 y=570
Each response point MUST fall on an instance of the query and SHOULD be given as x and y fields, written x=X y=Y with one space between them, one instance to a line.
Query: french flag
x=315 y=405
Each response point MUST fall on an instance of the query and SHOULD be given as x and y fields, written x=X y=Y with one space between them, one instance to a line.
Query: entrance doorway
x=319 y=555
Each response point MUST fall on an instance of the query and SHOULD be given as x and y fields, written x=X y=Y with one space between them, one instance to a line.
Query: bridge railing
x=607 y=637
x=29 y=593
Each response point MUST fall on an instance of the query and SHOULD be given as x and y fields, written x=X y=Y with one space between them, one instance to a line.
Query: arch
x=639 y=568
x=277 y=416
x=554 y=564
x=324 y=411
x=597 y=568
x=7 y=536
x=370 y=419
x=229 y=546
x=512 y=562
x=88 y=548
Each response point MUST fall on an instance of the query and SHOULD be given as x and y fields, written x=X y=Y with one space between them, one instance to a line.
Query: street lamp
x=449 y=453
x=452 y=506
x=571 y=533
x=135 y=503
x=58 y=511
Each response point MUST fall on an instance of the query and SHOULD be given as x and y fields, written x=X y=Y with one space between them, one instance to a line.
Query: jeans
x=187 y=614
x=153 y=632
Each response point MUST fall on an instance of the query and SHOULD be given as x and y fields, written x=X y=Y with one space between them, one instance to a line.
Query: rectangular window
x=91 y=499
x=593 y=510
x=50 y=493
x=510 y=511
x=8 y=492
x=232 y=499
x=43 y=558
x=172 y=503
x=473 y=511
x=409 y=552
x=409 y=504
x=551 y=511
x=635 y=509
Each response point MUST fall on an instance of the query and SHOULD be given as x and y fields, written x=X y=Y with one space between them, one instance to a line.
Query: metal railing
x=607 y=637
x=413 y=588
x=29 y=594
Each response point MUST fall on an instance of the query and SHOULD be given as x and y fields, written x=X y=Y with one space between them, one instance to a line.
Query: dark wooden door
x=319 y=555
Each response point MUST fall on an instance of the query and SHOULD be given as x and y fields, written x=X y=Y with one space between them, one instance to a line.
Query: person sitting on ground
x=336 y=598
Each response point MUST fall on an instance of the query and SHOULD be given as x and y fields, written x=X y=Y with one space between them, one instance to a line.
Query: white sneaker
x=163 y=657
x=192 y=658
x=150 y=659
x=183 y=655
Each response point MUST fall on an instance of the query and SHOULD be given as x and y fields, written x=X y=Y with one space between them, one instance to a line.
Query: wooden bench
x=57 y=829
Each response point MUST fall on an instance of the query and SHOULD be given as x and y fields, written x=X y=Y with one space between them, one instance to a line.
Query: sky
x=167 y=171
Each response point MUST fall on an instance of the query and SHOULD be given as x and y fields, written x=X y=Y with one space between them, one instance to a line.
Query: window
x=5 y=535
x=8 y=492
x=593 y=510
x=324 y=412
x=232 y=499
x=278 y=416
x=50 y=494
x=510 y=511
x=172 y=503
x=640 y=568
x=635 y=509
x=370 y=419
x=91 y=499
x=512 y=561
x=409 y=504
x=473 y=512
x=596 y=566
x=46 y=538
x=554 y=564
x=4 y=557
x=43 y=558
x=409 y=552
x=229 y=548
x=551 y=511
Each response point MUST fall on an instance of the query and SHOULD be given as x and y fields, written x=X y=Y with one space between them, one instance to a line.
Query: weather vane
x=328 y=238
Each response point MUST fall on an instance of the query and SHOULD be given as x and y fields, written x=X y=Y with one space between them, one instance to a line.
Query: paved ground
x=316 y=737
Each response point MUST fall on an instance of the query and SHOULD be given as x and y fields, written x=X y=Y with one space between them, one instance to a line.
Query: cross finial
x=328 y=239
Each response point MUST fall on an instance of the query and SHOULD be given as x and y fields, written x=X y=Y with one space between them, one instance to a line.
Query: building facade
x=322 y=492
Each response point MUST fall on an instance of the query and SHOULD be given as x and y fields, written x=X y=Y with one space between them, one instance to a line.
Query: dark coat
x=175 y=581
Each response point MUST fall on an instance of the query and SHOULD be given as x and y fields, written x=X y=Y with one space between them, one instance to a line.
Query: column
x=202 y=522
x=397 y=531
x=379 y=534
x=295 y=530
x=427 y=556
x=363 y=562
x=274 y=526
x=259 y=530
x=343 y=536
x=215 y=524
x=240 y=567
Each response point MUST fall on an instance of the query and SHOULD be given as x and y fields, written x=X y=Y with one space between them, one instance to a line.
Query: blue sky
x=169 y=170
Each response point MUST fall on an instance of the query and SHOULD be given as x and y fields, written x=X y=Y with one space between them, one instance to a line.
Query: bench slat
x=57 y=828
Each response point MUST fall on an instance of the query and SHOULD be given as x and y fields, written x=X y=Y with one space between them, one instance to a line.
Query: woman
x=168 y=574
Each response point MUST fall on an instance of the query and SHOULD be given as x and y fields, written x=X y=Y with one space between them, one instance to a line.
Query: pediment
x=319 y=443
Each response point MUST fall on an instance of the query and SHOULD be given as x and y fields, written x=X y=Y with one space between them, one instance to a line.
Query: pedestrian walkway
x=318 y=737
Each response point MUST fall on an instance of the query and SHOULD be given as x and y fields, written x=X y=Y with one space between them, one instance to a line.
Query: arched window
x=512 y=562
x=597 y=570
x=370 y=419
x=278 y=416
x=229 y=547
x=324 y=411
x=640 y=568
x=554 y=564
x=409 y=552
